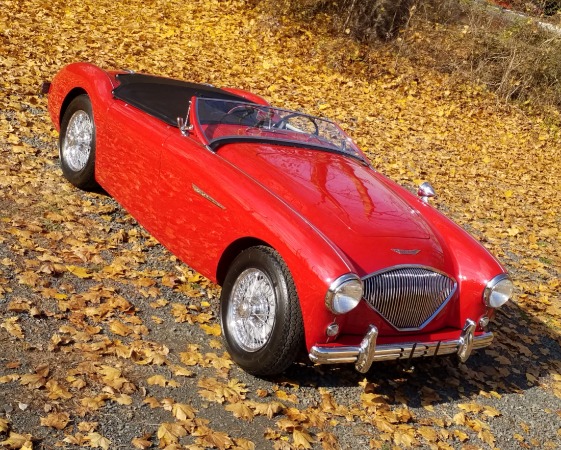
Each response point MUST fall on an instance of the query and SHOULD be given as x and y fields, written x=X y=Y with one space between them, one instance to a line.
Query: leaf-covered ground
x=107 y=341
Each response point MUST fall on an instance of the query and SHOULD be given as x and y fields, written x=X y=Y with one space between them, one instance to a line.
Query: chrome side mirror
x=183 y=123
x=426 y=191
x=183 y=127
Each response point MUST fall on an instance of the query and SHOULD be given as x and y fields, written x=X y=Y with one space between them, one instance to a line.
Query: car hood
x=343 y=198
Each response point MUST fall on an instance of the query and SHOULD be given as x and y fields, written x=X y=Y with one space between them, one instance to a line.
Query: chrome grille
x=408 y=296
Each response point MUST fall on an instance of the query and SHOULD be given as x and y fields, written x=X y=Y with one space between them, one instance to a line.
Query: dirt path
x=107 y=341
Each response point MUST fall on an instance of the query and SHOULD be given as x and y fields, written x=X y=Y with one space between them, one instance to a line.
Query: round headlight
x=498 y=291
x=344 y=294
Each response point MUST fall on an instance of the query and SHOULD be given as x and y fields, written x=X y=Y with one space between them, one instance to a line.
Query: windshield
x=223 y=121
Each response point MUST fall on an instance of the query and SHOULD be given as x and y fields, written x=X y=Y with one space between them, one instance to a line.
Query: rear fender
x=76 y=79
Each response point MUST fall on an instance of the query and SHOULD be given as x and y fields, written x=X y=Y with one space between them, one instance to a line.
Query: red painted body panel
x=325 y=213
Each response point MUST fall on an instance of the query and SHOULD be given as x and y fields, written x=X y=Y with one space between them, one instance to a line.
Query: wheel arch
x=232 y=251
x=77 y=91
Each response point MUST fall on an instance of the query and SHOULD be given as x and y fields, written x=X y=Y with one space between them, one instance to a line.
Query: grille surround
x=408 y=297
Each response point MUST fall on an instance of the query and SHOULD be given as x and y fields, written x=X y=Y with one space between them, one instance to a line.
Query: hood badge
x=401 y=251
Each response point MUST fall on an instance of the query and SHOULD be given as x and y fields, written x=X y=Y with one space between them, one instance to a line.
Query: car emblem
x=401 y=251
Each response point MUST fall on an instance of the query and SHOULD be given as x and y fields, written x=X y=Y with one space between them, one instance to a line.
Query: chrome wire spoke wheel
x=77 y=144
x=260 y=312
x=251 y=312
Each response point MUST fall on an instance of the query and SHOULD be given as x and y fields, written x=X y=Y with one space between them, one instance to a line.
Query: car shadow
x=524 y=350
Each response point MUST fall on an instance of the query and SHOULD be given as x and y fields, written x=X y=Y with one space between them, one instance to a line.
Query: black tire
x=77 y=144
x=277 y=349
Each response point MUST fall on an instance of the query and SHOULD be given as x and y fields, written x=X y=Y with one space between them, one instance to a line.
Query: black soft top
x=165 y=98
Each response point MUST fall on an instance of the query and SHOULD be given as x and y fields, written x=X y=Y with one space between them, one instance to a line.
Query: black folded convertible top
x=165 y=98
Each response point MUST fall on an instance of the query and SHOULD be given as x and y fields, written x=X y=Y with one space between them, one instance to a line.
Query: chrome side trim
x=369 y=351
x=203 y=194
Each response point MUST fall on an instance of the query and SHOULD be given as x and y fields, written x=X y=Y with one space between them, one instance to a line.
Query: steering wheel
x=247 y=110
x=279 y=123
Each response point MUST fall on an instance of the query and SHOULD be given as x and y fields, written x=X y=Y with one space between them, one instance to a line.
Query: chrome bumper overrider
x=367 y=352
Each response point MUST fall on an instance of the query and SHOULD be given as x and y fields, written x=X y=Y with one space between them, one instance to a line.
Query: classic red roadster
x=311 y=245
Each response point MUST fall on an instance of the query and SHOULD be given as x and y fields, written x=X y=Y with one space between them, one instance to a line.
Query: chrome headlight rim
x=491 y=287
x=335 y=289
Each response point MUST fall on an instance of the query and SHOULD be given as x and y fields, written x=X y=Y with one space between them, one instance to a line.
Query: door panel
x=200 y=218
x=130 y=162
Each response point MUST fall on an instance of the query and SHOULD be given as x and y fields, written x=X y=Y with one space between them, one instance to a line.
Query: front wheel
x=260 y=313
x=77 y=143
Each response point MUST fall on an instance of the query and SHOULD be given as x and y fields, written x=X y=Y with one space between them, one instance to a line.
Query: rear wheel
x=77 y=144
x=260 y=313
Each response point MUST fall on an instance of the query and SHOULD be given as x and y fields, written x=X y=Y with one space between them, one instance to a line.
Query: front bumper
x=368 y=352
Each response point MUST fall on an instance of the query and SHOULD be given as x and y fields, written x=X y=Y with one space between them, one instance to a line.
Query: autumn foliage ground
x=107 y=341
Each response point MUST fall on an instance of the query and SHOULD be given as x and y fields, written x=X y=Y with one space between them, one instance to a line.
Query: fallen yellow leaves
x=96 y=440
x=80 y=272
x=11 y=326
x=18 y=441
x=56 y=420
x=160 y=380
x=169 y=433
x=4 y=425
x=82 y=268
x=216 y=391
x=213 y=330
x=241 y=410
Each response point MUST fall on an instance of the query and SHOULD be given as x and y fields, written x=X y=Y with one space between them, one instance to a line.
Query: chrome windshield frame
x=266 y=128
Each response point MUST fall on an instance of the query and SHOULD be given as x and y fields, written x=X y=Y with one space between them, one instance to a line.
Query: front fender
x=474 y=265
x=313 y=260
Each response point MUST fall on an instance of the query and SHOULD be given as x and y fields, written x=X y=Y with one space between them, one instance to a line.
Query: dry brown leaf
x=213 y=330
x=460 y=435
x=216 y=439
x=459 y=418
x=491 y=412
x=153 y=402
x=9 y=378
x=283 y=395
x=241 y=410
x=120 y=328
x=12 y=327
x=17 y=441
x=487 y=437
x=181 y=411
x=4 y=425
x=143 y=442
x=56 y=391
x=302 y=439
x=179 y=371
x=158 y=380
x=87 y=427
x=429 y=433
x=243 y=444
x=56 y=420
x=269 y=409
x=470 y=407
x=80 y=272
x=96 y=440
x=32 y=380
x=169 y=433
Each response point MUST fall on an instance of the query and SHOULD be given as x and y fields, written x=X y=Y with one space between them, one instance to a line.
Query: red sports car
x=311 y=245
